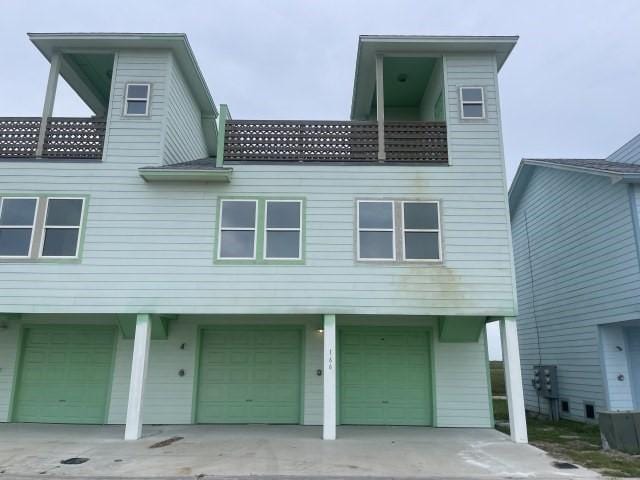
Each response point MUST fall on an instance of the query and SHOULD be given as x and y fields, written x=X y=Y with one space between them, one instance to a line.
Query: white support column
x=49 y=98
x=513 y=379
x=329 y=405
x=380 y=107
x=141 y=342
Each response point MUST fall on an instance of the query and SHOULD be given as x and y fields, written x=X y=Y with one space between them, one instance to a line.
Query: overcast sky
x=571 y=87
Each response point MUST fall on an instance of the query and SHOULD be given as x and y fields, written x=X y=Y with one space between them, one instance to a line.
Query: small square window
x=62 y=227
x=564 y=406
x=237 y=236
x=17 y=222
x=376 y=230
x=589 y=411
x=472 y=102
x=137 y=99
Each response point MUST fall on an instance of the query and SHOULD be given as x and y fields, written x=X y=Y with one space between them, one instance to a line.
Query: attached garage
x=250 y=374
x=385 y=376
x=64 y=374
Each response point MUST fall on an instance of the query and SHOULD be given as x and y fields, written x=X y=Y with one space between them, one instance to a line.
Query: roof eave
x=221 y=175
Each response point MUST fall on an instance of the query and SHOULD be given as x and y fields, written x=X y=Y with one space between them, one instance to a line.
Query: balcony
x=64 y=138
x=259 y=141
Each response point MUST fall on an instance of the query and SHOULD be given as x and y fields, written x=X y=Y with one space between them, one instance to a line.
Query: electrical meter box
x=545 y=380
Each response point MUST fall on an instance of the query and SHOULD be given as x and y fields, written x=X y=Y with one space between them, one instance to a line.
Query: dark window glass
x=421 y=246
x=64 y=212
x=283 y=244
x=283 y=215
x=136 y=107
x=18 y=211
x=15 y=242
x=421 y=216
x=137 y=91
x=60 y=242
x=564 y=406
x=589 y=410
x=376 y=245
x=471 y=94
x=375 y=215
x=473 y=110
x=237 y=244
x=236 y=214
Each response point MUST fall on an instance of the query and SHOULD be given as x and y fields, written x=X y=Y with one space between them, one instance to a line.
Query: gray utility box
x=620 y=430
x=545 y=380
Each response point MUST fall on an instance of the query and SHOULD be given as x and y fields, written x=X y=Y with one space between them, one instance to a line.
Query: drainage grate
x=74 y=461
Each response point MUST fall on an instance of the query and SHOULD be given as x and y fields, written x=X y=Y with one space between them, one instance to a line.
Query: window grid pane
x=64 y=212
x=238 y=229
x=60 y=242
x=18 y=212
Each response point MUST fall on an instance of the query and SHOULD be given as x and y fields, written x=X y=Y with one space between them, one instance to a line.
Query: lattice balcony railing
x=76 y=138
x=333 y=141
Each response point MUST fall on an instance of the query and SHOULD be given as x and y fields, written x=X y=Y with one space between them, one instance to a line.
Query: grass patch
x=496 y=370
x=573 y=442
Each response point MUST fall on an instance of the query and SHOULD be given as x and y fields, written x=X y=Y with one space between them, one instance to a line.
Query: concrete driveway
x=35 y=451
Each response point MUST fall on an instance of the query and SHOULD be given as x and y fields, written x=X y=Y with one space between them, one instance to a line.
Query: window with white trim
x=376 y=225
x=137 y=99
x=17 y=224
x=472 y=103
x=62 y=224
x=421 y=231
x=237 y=235
x=283 y=230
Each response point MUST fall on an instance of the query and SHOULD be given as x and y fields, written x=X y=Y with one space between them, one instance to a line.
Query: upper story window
x=421 y=231
x=137 y=99
x=17 y=223
x=62 y=225
x=283 y=229
x=238 y=229
x=52 y=224
x=416 y=239
x=472 y=102
x=376 y=222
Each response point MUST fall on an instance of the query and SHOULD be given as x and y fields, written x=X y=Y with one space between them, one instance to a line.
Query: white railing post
x=329 y=391
x=380 y=107
x=139 y=363
x=49 y=99
x=513 y=379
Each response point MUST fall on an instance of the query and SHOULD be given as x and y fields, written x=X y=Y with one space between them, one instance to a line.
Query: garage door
x=385 y=376
x=249 y=375
x=65 y=374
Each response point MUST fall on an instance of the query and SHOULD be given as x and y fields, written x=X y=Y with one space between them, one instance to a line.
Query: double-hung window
x=421 y=231
x=376 y=224
x=17 y=224
x=283 y=230
x=237 y=235
x=61 y=231
x=472 y=103
x=137 y=99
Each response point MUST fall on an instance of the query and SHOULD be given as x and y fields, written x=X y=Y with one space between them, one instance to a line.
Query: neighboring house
x=576 y=243
x=159 y=268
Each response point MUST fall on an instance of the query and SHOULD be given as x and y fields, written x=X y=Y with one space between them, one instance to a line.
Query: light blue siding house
x=161 y=262
x=576 y=242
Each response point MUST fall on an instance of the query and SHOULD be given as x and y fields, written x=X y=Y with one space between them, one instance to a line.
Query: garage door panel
x=385 y=376
x=257 y=380
x=65 y=374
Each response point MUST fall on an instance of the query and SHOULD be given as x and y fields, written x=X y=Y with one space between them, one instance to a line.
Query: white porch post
x=49 y=98
x=329 y=405
x=513 y=379
x=141 y=342
x=382 y=155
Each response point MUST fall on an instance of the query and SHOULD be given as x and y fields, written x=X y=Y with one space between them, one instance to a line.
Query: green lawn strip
x=573 y=442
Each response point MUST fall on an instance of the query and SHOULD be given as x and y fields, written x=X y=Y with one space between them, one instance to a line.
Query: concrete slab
x=35 y=450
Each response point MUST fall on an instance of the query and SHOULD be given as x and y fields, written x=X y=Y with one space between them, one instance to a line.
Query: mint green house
x=161 y=262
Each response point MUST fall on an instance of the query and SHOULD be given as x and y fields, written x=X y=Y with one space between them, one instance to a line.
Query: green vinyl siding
x=249 y=375
x=385 y=376
x=65 y=374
